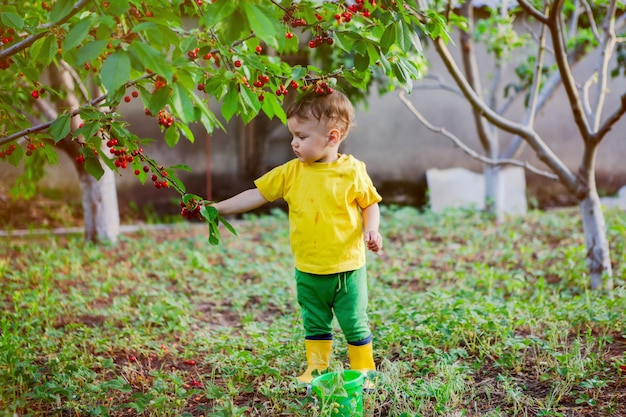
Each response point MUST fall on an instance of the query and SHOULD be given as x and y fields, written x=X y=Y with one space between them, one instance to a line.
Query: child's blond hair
x=335 y=109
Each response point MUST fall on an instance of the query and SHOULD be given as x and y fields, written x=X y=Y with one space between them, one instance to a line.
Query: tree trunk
x=493 y=197
x=100 y=208
x=598 y=253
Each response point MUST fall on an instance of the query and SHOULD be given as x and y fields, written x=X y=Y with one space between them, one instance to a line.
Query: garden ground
x=469 y=319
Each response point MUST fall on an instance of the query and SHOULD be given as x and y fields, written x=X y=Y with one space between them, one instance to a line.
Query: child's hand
x=373 y=240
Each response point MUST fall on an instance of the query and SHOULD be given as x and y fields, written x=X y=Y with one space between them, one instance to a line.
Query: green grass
x=469 y=319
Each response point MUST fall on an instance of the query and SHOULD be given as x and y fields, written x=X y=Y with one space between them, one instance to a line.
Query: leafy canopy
x=176 y=56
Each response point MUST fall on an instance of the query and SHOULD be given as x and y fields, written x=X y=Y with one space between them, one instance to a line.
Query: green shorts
x=343 y=294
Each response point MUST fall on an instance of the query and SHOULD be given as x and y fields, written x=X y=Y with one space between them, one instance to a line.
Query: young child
x=333 y=216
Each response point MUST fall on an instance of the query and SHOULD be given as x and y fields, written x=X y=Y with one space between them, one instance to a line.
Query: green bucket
x=341 y=393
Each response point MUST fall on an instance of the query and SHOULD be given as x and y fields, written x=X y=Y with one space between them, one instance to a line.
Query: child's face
x=312 y=140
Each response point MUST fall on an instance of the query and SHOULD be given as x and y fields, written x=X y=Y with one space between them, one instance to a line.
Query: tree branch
x=536 y=101
x=76 y=78
x=470 y=66
x=439 y=85
x=465 y=148
x=44 y=126
x=542 y=150
x=610 y=121
x=28 y=41
x=528 y=8
x=592 y=21
x=537 y=76
x=606 y=53
x=555 y=27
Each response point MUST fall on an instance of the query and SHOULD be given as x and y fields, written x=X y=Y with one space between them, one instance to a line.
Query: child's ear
x=334 y=137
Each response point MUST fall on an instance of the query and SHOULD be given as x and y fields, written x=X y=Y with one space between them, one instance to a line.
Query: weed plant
x=469 y=319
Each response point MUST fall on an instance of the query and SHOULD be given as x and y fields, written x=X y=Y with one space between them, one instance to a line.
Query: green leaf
x=373 y=52
x=231 y=103
x=152 y=59
x=388 y=38
x=345 y=40
x=12 y=20
x=249 y=105
x=77 y=35
x=298 y=72
x=403 y=39
x=261 y=23
x=207 y=118
x=208 y=212
x=172 y=136
x=17 y=155
x=90 y=51
x=50 y=154
x=214 y=233
x=61 y=9
x=151 y=32
x=118 y=7
x=217 y=12
x=159 y=99
x=115 y=70
x=88 y=129
x=226 y=224
x=187 y=198
x=92 y=166
x=44 y=50
x=182 y=104
x=186 y=131
x=60 y=128
x=269 y=105
x=361 y=62
x=177 y=182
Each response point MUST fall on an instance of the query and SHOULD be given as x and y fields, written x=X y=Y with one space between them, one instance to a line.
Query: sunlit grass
x=468 y=318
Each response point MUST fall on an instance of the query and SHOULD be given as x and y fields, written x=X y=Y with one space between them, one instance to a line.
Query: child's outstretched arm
x=371 y=224
x=241 y=203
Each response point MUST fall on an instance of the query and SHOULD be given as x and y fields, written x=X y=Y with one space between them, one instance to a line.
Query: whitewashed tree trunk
x=99 y=197
x=598 y=252
x=100 y=208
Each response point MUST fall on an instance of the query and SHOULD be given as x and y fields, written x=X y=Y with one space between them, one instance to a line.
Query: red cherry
x=35 y=94
x=237 y=63
x=135 y=94
x=259 y=49
x=127 y=99
x=289 y=35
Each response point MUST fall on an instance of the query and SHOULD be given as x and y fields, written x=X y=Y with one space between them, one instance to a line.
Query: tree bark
x=597 y=245
x=99 y=197
x=100 y=208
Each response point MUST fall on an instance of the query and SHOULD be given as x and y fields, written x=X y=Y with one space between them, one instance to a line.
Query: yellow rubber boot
x=362 y=360
x=317 y=357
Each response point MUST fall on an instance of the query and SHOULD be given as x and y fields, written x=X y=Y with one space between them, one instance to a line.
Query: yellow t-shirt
x=325 y=222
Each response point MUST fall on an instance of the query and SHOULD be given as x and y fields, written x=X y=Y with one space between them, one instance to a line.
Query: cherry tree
x=66 y=65
x=568 y=30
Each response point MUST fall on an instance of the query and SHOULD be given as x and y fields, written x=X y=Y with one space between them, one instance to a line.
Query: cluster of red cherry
x=165 y=119
x=123 y=156
x=8 y=151
x=191 y=210
x=6 y=37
